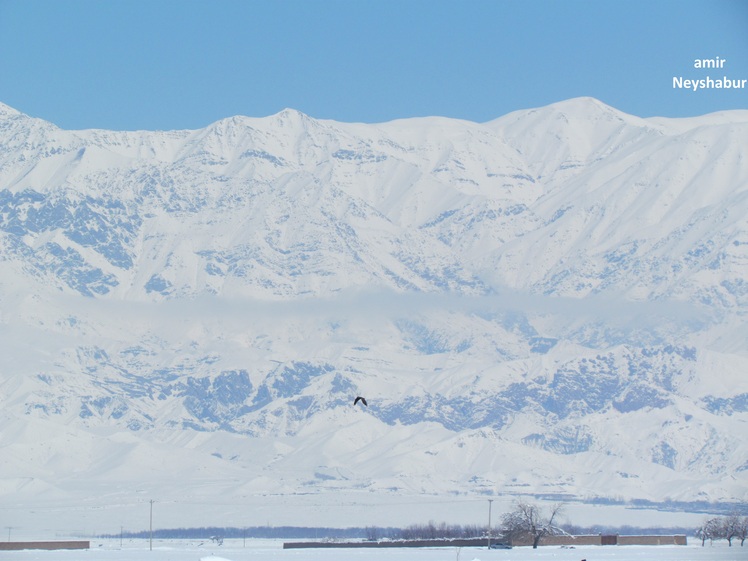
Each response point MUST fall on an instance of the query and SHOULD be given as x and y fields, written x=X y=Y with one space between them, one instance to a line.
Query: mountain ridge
x=531 y=305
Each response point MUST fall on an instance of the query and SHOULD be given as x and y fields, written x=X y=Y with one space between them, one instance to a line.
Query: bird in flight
x=361 y=399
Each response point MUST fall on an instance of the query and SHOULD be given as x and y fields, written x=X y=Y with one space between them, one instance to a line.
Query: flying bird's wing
x=361 y=399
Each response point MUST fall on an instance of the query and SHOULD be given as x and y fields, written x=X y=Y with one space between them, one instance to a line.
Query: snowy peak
x=572 y=111
x=290 y=118
x=591 y=109
x=570 y=134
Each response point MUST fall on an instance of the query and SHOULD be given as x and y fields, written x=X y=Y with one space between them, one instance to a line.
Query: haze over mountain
x=552 y=303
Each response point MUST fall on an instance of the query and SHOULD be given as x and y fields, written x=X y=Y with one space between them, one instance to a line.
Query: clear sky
x=182 y=64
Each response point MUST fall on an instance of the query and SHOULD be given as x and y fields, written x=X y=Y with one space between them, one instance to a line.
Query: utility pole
x=151 y=527
x=489 y=522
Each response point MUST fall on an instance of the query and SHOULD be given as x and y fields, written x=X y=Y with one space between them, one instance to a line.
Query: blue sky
x=182 y=64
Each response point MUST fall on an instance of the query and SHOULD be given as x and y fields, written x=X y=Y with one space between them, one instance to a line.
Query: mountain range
x=552 y=303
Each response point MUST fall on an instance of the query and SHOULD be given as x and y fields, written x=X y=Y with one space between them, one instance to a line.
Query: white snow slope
x=550 y=304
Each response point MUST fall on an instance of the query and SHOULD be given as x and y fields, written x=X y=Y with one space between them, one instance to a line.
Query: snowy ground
x=255 y=550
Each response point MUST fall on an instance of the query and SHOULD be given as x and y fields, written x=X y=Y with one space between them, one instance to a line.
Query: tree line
x=730 y=527
x=526 y=521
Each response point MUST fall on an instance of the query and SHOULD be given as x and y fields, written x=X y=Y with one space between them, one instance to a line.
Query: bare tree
x=527 y=521
x=711 y=529
x=742 y=530
x=730 y=527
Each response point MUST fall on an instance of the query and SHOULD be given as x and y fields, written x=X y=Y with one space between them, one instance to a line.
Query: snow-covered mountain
x=551 y=303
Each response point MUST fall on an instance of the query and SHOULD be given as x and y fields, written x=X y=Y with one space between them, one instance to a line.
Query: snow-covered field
x=254 y=550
